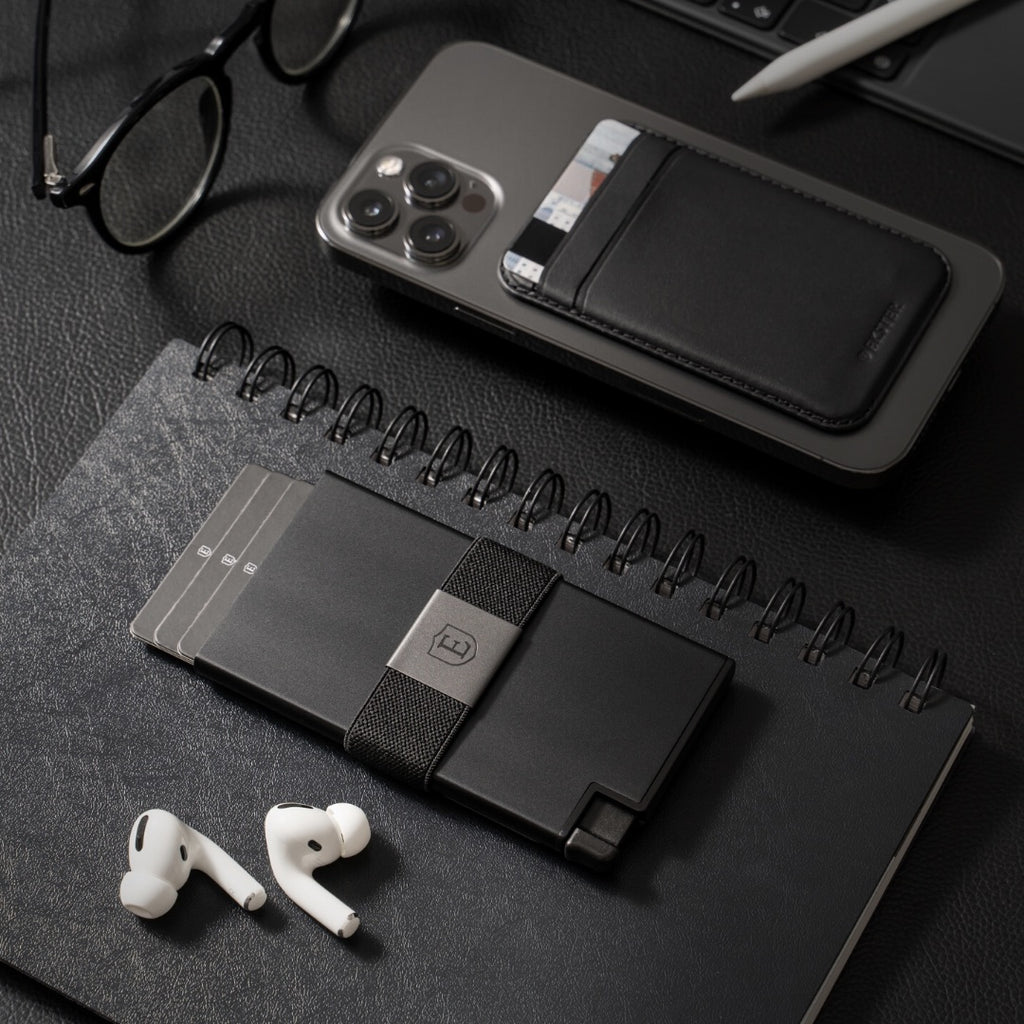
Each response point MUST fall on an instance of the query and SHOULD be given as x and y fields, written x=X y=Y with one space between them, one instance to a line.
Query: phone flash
x=389 y=166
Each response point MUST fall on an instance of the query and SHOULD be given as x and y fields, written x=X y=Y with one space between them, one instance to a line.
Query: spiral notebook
x=740 y=900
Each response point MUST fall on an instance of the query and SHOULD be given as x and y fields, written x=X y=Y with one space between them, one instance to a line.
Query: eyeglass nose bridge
x=255 y=19
x=252 y=18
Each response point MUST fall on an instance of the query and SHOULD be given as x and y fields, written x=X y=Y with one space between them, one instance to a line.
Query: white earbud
x=162 y=850
x=301 y=838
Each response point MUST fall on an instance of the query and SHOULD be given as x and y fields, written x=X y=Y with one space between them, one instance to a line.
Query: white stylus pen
x=864 y=34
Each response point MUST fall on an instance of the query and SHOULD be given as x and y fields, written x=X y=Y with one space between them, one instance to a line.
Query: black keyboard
x=773 y=26
x=963 y=74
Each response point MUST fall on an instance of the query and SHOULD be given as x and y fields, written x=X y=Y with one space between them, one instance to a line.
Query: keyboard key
x=760 y=13
x=853 y=5
x=809 y=19
x=884 y=63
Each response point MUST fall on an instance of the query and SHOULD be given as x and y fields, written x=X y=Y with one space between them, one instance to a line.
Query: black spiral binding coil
x=681 y=564
x=535 y=506
x=497 y=477
x=637 y=539
x=449 y=458
x=885 y=650
x=207 y=363
x=544 y=496
x=783 y=609
x=347 y=424
x=299 y=403
x=409 y=423
x=831 y=633
x=733 y=588
x=255 y=381
x=928 y=675
x=594 y=505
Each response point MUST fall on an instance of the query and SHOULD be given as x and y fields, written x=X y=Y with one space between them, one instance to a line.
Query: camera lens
x=432 y=240
x=370 y=212
x=431 y=183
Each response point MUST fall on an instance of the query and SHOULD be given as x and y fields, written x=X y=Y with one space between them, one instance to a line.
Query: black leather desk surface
x=940 y=551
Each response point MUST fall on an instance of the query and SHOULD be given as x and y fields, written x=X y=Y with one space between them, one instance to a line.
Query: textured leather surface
x=939 y=551
x=765 y=289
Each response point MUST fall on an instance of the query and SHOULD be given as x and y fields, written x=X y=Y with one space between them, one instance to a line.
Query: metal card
x=200 y=550
x=239 y=535
x=220 y=602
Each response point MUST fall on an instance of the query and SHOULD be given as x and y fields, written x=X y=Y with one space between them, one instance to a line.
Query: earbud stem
x=209 y=858
x=323 y=906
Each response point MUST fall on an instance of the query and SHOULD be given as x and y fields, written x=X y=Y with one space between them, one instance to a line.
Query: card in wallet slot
x=218 y=564
x=778 y=294
x=467 y=669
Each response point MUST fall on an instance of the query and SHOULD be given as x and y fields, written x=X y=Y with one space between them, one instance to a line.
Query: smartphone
x=502 y=191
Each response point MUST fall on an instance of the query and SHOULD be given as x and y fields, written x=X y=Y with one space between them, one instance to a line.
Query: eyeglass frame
x=83 y=186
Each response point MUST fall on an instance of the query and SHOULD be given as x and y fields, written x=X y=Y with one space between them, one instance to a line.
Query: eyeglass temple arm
x=44 y=165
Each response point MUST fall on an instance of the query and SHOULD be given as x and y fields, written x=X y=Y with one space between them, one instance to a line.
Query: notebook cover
x=767 y=852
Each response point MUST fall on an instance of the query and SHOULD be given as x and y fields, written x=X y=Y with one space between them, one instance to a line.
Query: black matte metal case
x=460 y=107
x=580 y=726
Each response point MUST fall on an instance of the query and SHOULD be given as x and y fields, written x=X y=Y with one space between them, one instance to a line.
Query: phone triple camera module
x=417 y=206
x=432 y=240
x=370 y=212
x=432 y=184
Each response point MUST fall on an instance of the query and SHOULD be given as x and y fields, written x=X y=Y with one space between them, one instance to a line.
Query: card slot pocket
x=603 y=217
x=767 y=290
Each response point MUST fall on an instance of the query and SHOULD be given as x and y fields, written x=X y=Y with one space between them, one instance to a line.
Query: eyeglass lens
x=162 y=167
x=302 y=32
x=160 y=170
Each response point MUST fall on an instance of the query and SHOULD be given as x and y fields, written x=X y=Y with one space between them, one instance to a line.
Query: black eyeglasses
x=153 y=166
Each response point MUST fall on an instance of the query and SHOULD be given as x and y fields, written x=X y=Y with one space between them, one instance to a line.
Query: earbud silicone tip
x=354 y=828
x=146 y=895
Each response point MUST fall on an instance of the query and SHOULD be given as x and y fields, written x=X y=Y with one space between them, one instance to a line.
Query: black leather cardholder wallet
x=793 y=301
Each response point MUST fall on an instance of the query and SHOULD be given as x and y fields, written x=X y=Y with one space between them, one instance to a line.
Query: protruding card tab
x=206 y=580
x=454 y=647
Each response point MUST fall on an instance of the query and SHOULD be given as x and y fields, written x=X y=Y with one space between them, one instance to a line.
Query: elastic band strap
x=407 y=723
